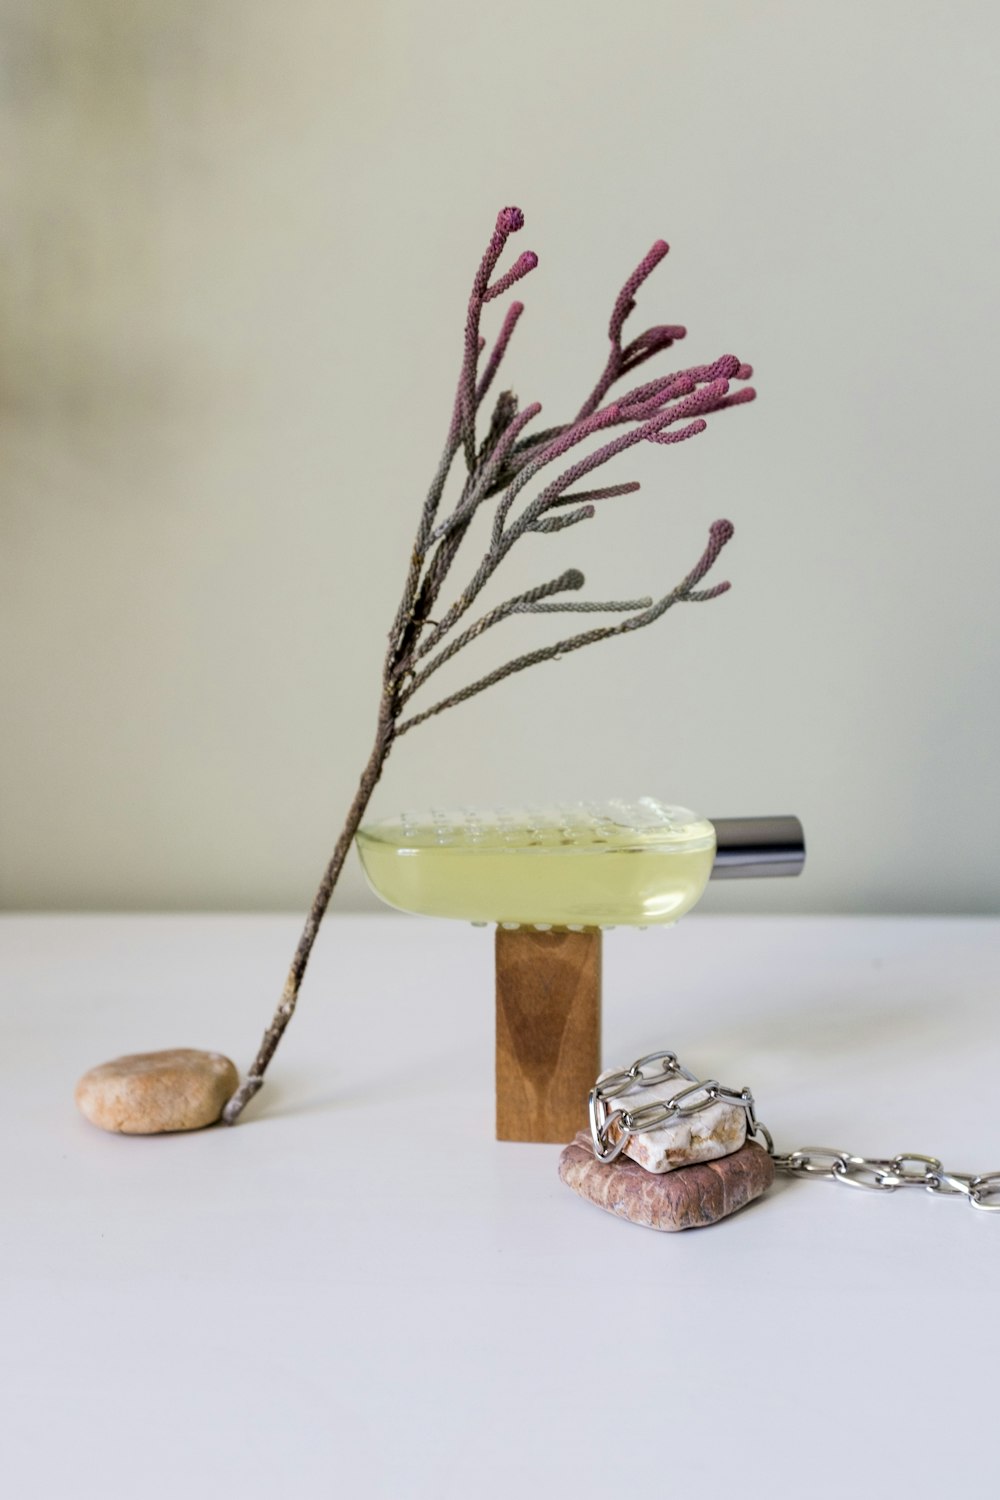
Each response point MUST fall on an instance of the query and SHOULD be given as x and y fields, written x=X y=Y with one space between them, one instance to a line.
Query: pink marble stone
x=686 y=1198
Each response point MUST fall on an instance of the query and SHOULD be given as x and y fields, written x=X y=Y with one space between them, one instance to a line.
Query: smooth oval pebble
x=147 y=1093
x=687 y=1198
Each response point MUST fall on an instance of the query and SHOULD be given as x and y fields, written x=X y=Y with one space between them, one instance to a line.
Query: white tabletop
x=357 y=1291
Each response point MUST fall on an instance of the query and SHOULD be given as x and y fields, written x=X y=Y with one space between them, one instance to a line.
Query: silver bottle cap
x=747 y=848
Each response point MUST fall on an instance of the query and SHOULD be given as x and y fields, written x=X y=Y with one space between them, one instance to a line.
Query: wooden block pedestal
x=548 y=1046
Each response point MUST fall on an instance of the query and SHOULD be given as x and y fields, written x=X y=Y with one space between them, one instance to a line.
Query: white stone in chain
x=713 y=1132
x=702 y=1130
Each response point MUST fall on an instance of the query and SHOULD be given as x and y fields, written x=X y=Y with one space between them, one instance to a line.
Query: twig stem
x=290 y=994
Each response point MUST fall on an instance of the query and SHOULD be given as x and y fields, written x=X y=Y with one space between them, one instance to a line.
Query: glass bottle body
x=591 y=865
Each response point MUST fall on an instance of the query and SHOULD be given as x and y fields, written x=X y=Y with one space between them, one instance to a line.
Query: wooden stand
x=548 y=1049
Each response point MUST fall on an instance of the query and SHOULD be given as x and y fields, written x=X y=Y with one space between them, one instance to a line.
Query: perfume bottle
x=610 y=864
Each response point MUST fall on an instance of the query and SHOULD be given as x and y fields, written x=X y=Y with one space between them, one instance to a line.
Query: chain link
x=885 y=1174
x=610 y=1130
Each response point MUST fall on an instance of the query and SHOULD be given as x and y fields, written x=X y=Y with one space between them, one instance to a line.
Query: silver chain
x=610 y=1130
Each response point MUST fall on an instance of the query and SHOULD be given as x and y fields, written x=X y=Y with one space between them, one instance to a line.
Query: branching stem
x=504 y=464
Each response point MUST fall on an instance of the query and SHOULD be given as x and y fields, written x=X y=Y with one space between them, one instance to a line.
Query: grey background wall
x=237 y=240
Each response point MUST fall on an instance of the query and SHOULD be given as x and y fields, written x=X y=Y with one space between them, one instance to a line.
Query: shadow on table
x=393 y=1084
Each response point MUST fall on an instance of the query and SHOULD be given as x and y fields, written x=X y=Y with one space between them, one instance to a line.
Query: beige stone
x=716 y=1131
x=687 y=1198
x=147 y=1093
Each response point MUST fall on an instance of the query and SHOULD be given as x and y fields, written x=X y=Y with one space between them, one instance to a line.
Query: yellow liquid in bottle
x=590 y=865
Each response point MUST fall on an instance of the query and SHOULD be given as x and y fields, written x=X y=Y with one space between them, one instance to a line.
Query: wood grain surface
x=548 y=1048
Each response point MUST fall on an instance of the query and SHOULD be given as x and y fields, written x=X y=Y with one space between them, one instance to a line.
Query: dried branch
x=586 y=606
x=509 y=221
x=719 y=534
x=462 y=431
x=572 y=579
x=559 y=523
x=499 y=349
x=479 y=491
x=624 y=305
x=503 y=466
x=607 y=493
